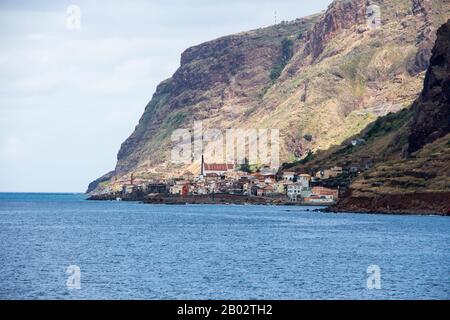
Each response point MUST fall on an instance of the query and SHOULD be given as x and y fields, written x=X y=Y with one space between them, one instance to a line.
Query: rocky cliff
x=409 y=150
x=319 y=79
x=432 y=109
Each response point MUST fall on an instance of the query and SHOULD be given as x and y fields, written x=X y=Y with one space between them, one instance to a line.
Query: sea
x=61 y=246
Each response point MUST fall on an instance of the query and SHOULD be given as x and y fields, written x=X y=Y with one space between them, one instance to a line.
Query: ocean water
x=137 y=251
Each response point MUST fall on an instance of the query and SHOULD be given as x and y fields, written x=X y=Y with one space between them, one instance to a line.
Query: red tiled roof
x=324 y=191
x=211 y=175
x=219 y=166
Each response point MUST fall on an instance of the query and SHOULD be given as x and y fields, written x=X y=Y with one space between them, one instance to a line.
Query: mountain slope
x=420 y=181
x=409 y=150
x=320 y=80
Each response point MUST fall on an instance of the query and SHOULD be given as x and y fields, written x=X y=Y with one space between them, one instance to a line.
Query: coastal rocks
x=208 y=199
x=137 y=195
x=94 y=184
x=410 y=203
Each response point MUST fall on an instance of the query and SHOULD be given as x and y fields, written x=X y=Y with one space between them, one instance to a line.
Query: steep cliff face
x=340 y=15
x=426 y=35
x=412 y=166
x=217 y=81
x=339 y=76
x=432 y=109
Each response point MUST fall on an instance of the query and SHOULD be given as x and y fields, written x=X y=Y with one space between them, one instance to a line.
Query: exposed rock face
x=94 y=184
x=432 y=109
x=342 y=75
x=404 y=203
x=426 y=36
x=221 y=78
x=421 y=7
x=421 y=60
x=410 y=150
x=340 y=15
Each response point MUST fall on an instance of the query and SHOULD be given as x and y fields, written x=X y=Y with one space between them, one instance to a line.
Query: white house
x=304 y=180
x=289 y=176
x=297 y=191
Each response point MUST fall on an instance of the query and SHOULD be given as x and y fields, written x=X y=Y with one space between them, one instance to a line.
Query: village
x=232 y=183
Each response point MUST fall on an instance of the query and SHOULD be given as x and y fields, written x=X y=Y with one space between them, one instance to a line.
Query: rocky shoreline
x=427 y=203
x=423 y=203
x=200 y=199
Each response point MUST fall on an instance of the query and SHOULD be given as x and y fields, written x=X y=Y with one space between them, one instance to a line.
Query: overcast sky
x=69 y=97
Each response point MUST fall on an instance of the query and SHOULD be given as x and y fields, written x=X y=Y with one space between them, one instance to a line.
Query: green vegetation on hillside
x=286 y=54
x=387 y=124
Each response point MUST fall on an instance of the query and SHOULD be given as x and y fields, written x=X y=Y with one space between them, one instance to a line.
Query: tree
x=245 y=166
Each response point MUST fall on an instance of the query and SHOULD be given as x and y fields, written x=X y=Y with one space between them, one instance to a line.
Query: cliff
x=432 y=109
x=410 y=150
x=319 y=79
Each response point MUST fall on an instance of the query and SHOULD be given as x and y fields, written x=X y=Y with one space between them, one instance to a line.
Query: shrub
x=287 y=51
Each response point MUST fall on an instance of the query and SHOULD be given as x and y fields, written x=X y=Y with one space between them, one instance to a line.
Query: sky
x=74 y=81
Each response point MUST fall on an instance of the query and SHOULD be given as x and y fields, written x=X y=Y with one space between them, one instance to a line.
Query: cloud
x=68 y=98
x=135 y=67
x=12 y=148
x=37 y=84
x=39 y=36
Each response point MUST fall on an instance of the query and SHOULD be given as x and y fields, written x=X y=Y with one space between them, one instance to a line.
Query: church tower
x=202 y=166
